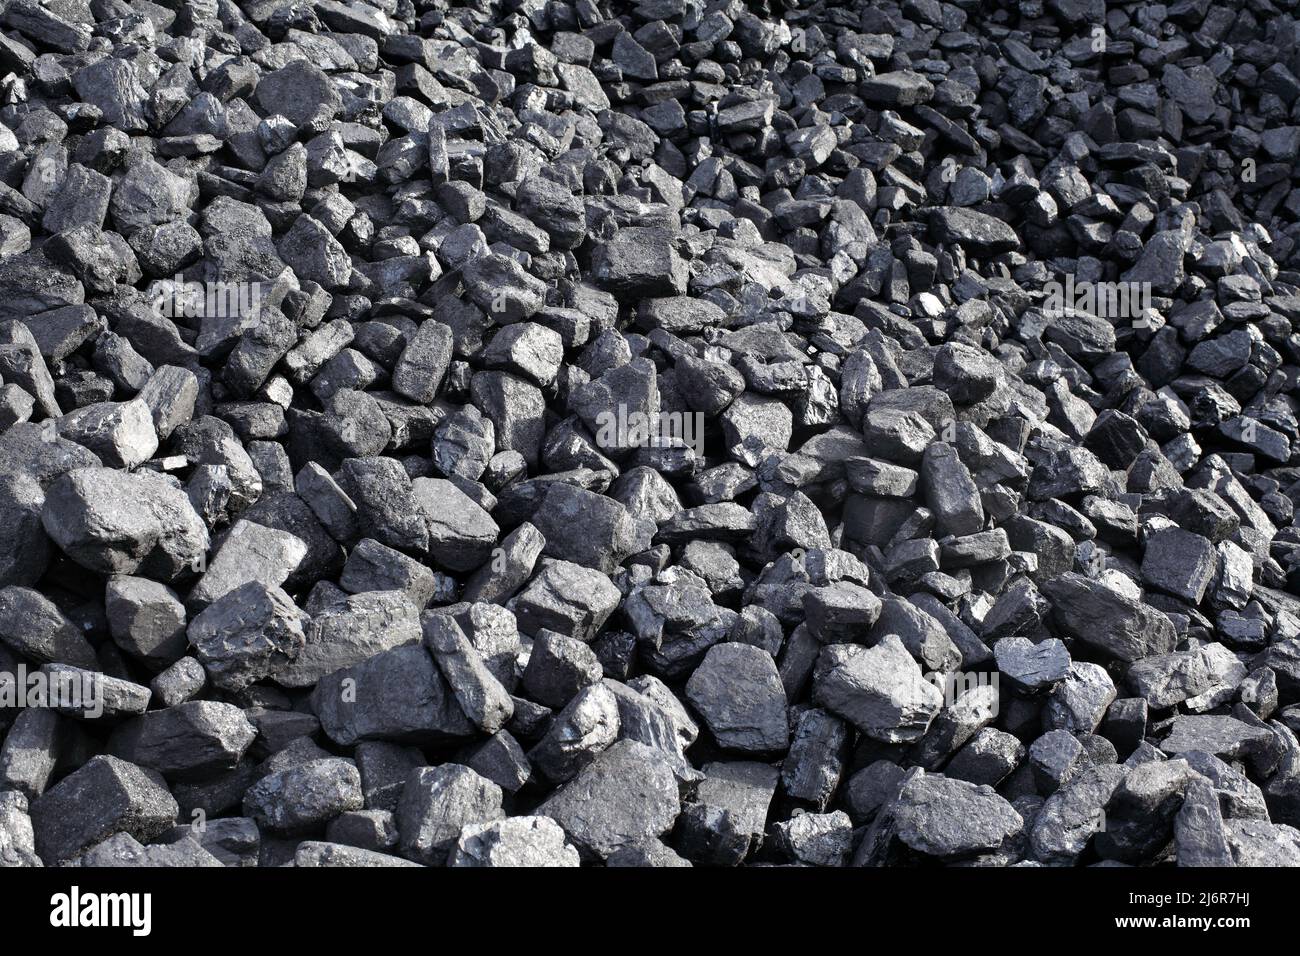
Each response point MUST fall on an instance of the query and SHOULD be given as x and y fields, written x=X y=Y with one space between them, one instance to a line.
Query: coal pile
x=686 y=432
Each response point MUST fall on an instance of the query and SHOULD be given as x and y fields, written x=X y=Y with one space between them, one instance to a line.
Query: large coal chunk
x=1103 y=618
x=461 y=534
x=640 y=262
x=250 y=554
x=481 y=696
x=398 y=695
x=513 y=842
x=624 y=796
x=738 y=694
x=247 y=635
x=34 y=627
x=114 y=522
x=566 y=598
x=304 y=796
x=437 y=804
x=25 y=548
x=978 y=233
x=937 y=819
x=880 y=690
x=187 y=741
x=585 y=528
x=348 y=631
x=103 y=797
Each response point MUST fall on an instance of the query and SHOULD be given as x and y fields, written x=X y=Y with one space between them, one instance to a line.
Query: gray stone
x=304 y=796
x=934 y=818
x=103 y=797
x=513 y=842
x=738 y=694
x=187 y=741
x=436 y=806
x=880 y=690
x=248 y=634
x=397 y=695
x=624 y=796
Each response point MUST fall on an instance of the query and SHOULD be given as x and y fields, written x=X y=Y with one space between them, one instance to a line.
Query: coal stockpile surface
x=672 y=433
